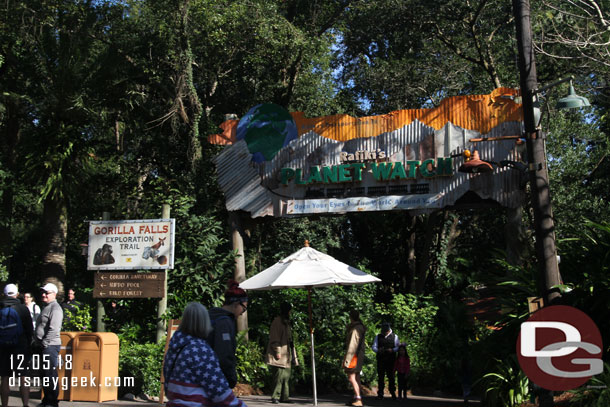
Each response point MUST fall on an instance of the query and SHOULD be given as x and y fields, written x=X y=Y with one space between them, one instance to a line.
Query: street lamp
x=572 y=101
x=546 y=252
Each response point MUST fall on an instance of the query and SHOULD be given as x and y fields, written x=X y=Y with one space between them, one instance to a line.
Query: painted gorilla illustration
x=103 y=255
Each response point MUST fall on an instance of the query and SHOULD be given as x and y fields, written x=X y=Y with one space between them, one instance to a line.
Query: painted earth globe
x=266 y=128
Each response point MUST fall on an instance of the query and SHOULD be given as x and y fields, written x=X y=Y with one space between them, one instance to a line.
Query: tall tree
x=423 y=52
x=50 y=71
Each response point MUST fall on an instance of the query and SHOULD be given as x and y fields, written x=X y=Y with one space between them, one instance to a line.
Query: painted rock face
x=266 y=128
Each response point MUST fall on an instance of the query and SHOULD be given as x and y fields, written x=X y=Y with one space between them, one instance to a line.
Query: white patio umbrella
x=307 y=268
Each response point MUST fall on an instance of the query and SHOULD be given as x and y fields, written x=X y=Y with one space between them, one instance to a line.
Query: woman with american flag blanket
x=192 y=373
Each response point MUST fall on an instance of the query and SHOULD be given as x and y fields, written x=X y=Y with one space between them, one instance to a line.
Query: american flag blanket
x=193 y=377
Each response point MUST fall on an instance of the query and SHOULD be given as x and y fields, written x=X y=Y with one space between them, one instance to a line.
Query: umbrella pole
x=313 y=360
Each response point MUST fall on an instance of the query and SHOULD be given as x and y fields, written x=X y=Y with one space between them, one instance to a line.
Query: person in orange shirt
x=354 y=355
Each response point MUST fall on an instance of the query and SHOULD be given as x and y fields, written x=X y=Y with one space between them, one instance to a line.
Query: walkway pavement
x=337 y=400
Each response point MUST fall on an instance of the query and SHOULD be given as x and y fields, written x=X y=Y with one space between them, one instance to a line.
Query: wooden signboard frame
x=171 y=328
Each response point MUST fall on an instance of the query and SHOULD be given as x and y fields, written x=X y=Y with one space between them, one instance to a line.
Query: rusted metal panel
x=481 y=113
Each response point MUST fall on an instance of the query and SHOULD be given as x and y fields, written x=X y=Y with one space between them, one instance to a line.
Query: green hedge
x=143 y=363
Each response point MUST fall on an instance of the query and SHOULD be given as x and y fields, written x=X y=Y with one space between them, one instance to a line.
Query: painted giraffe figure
x=152 y=252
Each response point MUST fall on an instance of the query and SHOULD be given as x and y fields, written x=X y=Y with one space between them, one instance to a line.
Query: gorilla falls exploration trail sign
x=131 y=244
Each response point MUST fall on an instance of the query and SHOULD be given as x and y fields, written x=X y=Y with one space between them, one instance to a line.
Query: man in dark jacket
x=14 y=359
x=385 y=346
x=222 y=339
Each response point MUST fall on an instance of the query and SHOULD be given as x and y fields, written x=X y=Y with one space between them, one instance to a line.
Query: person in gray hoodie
x=48 y=328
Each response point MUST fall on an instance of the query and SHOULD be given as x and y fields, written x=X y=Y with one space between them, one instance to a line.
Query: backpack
x=11 y=328
x=210 y=338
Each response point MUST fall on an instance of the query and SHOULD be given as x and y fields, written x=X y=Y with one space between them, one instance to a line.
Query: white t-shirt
x=34 y=312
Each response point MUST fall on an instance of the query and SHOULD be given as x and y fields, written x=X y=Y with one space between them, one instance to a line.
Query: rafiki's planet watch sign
x=354 y=172
x=282 y=164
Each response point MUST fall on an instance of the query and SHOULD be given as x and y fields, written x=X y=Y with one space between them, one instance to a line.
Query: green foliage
x=134 y=321
x=323 y=234
x=129 y=331
x=251 y=368
x=142 y=361
x=203 y=261
x=106 y=104
x=410 y=61
x=596 y=393
x=3 y=268
x=585 y=270
x=577 y=151
x=79 y=320
x=413 y=320
x=439 y=337
x=507 y=385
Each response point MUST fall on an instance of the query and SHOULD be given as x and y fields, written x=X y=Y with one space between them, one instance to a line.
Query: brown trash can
x=65 y=363
x=95 y=367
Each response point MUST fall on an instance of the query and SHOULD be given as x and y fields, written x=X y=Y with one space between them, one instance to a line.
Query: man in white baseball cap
x=10 y=290
x=50 y=287
x=48 y=328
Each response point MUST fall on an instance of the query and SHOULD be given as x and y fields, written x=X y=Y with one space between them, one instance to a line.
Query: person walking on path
x=385 y=346
x=354 y=355
x=222 y=338
x=16 y=332
x=402 y=367
x=34 y=309
x=281 y=354
x=192 y=373
x=48 y=328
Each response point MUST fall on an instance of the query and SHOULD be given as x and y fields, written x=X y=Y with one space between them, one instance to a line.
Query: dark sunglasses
x=244 y=306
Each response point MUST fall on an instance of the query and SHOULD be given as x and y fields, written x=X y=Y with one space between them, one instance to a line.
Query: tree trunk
x=411 y=259
x=12 y=134
x=423 y=266
x=237 y=238
x=513 y=231
x=55 y=223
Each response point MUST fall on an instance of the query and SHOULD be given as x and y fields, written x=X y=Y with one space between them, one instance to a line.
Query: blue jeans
x=49 y=359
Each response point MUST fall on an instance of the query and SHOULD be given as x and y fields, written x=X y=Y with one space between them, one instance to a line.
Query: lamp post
x=546 y=253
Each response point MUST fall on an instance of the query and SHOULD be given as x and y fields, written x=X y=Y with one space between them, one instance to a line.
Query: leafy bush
x=507 y=385
x=413 y=320
x=586 y=271
x=251 y=368
x=596 y=393
x=79 y=320
x=142 y=362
